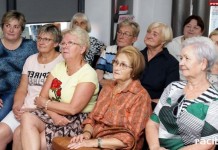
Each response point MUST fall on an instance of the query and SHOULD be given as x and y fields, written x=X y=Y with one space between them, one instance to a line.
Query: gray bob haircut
x=84 y=18
x=204 y=48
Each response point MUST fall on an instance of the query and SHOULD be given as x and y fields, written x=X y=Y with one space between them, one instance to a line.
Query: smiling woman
x=13 y=52
x=35 y=71
x=162 y=67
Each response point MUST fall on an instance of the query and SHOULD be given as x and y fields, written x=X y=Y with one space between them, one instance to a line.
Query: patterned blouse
x=94 y=50
x=129 y=109
x=186 y=121
x=11 y=64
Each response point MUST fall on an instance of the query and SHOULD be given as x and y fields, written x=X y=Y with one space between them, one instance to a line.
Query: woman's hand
x=17 y=112
x=81 y=137
x=59 y=120
x=40 y=101
x=1 y=103
x=83 y=143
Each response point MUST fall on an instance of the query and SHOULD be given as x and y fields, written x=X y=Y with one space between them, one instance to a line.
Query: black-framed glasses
x=121 y=64
x=43 y=39
x=124 y=34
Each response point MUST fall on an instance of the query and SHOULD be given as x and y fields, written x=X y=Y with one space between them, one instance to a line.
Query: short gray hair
x=203 y=48
x=84 y=18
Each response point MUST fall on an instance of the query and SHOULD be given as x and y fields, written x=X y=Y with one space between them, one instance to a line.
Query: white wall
x=148 y=11
x=99 y=14
x=145 y=12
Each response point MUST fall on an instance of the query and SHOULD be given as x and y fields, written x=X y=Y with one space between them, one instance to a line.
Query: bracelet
x=99 y=142
x=88 y=132
x=46 y=104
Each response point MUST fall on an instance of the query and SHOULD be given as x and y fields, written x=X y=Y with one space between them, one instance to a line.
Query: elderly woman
x=62 y=103
x=35 y=72
x=186 y=115
x=122 y=109
x=13 y=52
x=162 y=68
x=127 y=34
x=193 y=26
x=81 y=20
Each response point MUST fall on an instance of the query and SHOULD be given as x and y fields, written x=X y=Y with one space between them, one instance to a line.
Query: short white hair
x=203 y=48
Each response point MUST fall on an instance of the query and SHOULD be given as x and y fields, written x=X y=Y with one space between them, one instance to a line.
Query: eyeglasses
x=123 y=66
x=70 y=43
x=43 y=39
x=124 y=34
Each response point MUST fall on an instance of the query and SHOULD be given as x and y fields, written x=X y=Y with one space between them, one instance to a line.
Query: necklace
x=72 y=71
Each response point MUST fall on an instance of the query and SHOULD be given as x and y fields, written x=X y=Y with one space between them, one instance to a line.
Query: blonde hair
x=81 y=34
x=166 y=31
x=134 y=25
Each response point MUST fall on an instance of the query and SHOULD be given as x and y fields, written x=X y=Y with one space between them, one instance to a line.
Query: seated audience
x=68 y=95
x=126 y=35
x=35 y=71
x=81 y=20
x=13 y=52
x=162 y=68
x=186 y=114
x=122 y=110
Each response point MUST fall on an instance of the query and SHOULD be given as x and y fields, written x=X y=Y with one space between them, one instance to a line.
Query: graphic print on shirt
x=37 y=78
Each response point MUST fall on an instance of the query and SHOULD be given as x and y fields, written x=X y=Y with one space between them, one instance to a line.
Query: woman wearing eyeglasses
x=66 y=98
x=14 y=49
x=35 y=72
x=127 y=34
x=162 y=68
x=186 y=114
x=122 y=109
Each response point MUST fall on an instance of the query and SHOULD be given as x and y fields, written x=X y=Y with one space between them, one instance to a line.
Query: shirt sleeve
x=163 y=101
x=101 y=63
x=210 y=128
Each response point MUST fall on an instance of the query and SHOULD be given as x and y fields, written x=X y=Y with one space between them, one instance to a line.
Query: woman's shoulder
x=33 y=56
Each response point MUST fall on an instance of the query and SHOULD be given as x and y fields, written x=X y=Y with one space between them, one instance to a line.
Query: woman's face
x=45 y=42
x=125 y=36
x=81 y=23
x=153 y=38
x=214 y=38
x=189 y=64
x=122 y=68
x=12 y=30
x=192 y=29
x=70 y=47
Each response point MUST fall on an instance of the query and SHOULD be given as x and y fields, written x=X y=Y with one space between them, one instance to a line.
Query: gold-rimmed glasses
x=122 y=65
